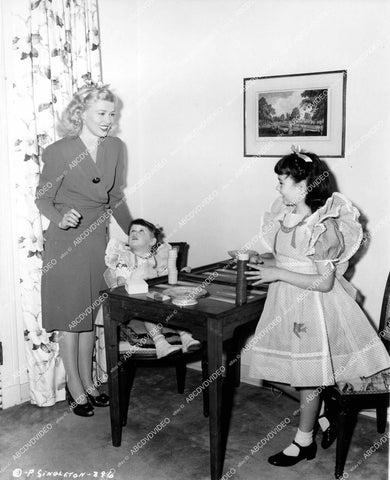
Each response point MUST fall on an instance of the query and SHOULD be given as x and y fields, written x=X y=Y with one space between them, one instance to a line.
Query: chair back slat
x=182 y=254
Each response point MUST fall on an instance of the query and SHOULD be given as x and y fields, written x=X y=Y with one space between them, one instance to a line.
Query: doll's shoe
x=165 y=349
x=101 y=400
x=80 y=409
x=189 y=344
x=283 y=460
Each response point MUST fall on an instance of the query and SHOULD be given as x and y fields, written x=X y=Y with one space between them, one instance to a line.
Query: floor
x=38 y=442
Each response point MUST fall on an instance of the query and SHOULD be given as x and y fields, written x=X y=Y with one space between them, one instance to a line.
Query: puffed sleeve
x=117 y=200
x=330 y=245
x=119 y=261
x=118 y=254
x=270 y=223
x=50 y=181
x=112 y=253
x=336 y=233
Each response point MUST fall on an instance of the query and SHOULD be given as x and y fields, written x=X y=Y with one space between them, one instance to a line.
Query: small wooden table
x=212 y=320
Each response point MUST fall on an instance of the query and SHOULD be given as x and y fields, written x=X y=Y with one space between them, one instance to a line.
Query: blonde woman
x=79 y=187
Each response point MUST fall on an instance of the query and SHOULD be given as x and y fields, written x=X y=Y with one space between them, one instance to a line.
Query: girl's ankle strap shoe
x=283 y=460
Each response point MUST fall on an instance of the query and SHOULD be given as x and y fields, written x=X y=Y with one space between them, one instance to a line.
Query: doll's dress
x=306 y=337
x=122 y=262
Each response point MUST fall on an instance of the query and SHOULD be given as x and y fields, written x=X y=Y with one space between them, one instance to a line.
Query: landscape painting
x=307 y=109
x=293 y=113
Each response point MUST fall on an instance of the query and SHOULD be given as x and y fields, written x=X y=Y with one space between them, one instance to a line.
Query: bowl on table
x=184 y=296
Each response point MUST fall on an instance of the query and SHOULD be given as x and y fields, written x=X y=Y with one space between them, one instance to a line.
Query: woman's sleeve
x=50 y=181
x=118 y=203
x=330 y=244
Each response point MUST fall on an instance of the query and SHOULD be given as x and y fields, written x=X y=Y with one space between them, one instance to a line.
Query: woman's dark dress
x=73 y=261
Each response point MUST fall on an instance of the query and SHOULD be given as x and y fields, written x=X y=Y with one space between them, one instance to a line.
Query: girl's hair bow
x=300 y=153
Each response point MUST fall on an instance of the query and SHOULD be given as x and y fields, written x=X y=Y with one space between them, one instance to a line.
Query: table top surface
x=220 y=297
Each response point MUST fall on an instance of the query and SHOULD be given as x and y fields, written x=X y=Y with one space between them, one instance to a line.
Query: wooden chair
x=370 y=392
x=146 y=357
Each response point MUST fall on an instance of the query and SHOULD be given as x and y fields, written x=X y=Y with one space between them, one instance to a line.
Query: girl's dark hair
x=156 y=231
x=315 y=173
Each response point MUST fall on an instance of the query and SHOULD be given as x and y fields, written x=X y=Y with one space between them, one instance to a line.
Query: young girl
x=316 y=333
x=143 y=258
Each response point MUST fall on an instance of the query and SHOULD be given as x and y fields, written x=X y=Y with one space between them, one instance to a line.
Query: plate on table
x=183 y=296
x=235 y=253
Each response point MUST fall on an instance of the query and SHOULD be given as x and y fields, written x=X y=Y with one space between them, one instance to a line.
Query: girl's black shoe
x=282 y=460
x=80 y=409
x=101 y=400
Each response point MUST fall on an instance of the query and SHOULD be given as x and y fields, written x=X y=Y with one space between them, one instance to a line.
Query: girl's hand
x=70 y=219
x=263 y=274
x=257 y=260
x=265 y=259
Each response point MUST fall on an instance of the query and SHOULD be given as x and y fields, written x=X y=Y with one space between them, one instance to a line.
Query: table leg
x=111 y=339
x=233 y=359
x=214 y=350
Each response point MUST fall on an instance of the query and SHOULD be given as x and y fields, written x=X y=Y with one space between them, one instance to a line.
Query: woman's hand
x=70 y=219
x=263 y=274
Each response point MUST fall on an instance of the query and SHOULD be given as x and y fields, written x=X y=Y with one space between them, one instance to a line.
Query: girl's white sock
x=303 y=439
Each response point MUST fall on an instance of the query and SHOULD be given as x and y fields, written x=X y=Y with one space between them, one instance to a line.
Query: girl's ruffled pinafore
x=305 y=337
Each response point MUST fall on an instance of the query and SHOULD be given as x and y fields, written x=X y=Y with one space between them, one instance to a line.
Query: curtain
x=55 y=50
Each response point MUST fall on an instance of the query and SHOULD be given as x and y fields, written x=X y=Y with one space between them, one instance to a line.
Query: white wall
x=179 y=67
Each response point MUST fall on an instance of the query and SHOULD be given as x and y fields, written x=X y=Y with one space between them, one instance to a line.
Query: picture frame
x=307 y=109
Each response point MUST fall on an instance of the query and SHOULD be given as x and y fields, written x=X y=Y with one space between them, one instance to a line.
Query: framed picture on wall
x=306 y=109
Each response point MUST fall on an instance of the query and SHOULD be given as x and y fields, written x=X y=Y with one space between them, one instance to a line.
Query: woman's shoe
x=80 y=409
x=283 y=460
x=101 y=400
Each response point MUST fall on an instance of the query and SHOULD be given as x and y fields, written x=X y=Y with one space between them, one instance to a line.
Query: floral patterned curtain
x=55 y=48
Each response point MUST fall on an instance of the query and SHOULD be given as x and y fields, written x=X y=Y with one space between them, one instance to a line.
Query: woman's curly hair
x=315 y=173
x=71 y=123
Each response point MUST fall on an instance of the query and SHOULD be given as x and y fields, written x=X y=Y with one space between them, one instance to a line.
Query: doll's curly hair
x=157 y=232
x=70 y=124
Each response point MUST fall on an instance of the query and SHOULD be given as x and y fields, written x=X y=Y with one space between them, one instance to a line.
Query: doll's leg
x=69 y=346
x=163 y=348
x=188 y=341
